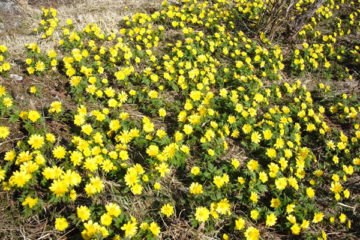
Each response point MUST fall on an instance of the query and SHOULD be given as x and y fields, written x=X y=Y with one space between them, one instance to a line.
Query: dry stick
x=11 y=140
x=298 y=23
x=344 y=205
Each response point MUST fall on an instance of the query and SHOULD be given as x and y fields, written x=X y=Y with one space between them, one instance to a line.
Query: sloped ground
x=53 y=87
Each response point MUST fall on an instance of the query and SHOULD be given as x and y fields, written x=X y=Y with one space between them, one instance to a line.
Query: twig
x=11 y=140
x=344 y=205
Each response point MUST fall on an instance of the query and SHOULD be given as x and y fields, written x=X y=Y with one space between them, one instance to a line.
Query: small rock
x=16 y=77
x=9 y=8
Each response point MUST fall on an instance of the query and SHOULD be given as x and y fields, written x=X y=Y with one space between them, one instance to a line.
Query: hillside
x=219 y=119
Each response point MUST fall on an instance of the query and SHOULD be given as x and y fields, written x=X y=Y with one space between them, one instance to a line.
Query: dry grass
x=106 y=13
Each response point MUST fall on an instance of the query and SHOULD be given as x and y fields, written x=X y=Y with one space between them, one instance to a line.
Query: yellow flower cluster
x=4 y=65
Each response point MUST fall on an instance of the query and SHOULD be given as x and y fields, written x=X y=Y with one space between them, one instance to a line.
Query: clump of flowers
x=4 y=65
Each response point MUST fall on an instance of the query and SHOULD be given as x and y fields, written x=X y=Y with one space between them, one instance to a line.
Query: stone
x=16 y=77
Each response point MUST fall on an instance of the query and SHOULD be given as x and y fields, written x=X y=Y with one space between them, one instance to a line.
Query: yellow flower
x=59 y=188
x=246 y=128
x=130 y=228
x=61 y=224
x=255 y=137
x=254 y=214
x=342 y=218
x=223 y=207
x=31 y=202
x=318 y=217
x=252 y=165
x=154 y=228
x=310 y=192
x=153 y=94
x=4 y=132
x=167 y=210
x=254 y=197
x=196 y=188
x=7 y=102
x=263 y=177
x=40 y=66
x=295 y=229
x=106 y=219
x=235 y=162
x=152 y=150
x=275 y=203
x=55 y=107
x=36 y=141
x=271 y=219
x=157 y=186
x=113 y=209
x=252 y=233
x=136 y=189
x=19 y=178
x=239 y=224
x=33 y=115
x=271 y=153
x=305 y=224
x=195 y=95
x=83 y=213
x=281 y=183
x=162 y=112
x=202 y=214
x=188 y=129
x=59 y=152
x=33 y=89
x=218 y=181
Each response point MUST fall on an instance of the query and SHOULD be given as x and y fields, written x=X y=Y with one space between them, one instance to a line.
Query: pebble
x=16 y=77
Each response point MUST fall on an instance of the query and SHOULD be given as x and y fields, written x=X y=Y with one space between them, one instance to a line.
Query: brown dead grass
x=106 y=13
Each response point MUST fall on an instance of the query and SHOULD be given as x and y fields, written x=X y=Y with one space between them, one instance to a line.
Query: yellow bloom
x=61 y=224
x=59 y=152
x=318 y=217
x=239 y=224
x=271 y=219
x=295 y=229
x=196 y=188
x=255 y=137
x=167 y=210
x=113 y=209
x=40 y=66
x=36 y=141
x=19 y=178
x=202 y=214
x=310 y=192
x=271 y=153
x=31 y=202
x=223 y=207
x=281 y=183
x=55 y=107
x=4 y=132
x=83 y=213
x=188 y=129
x=130 y=228
x=254 y=214
x=162 y=112
x=152 y=150
x=106 y=219
x=59 y=188
x=252 y=233
x=33 y=115
x=154 y=228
